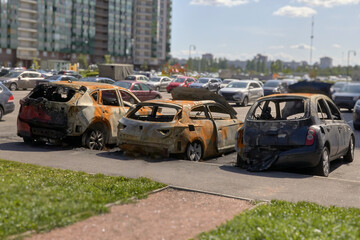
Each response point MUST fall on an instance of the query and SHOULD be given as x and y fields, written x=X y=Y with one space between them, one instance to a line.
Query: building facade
x=152 y=32
x=65 y=29
x=325 y=62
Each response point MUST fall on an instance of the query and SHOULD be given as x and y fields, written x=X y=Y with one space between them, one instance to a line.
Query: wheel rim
x=325 y=163
x=194 y=151
x=13 y=87
x=96 y=140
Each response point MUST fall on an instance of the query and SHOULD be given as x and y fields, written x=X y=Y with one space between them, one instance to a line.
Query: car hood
x=196 y=94
x=198 y=84
x=346 y=94
x=233 y=90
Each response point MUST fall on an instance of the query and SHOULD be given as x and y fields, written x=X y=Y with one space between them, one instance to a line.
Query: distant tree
x=107 y=59
x=35 y=64
x=82 y=60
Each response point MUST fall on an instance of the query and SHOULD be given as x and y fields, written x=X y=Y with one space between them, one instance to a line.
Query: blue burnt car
x=294 y=130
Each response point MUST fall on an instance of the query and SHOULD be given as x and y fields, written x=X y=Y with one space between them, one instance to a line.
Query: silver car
x=158 y=83
x=6 y=101
x=242 y=92
x=25 y=79
x=225 y=82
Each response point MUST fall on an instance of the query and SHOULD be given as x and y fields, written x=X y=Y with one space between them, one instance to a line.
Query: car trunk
x=47 y=106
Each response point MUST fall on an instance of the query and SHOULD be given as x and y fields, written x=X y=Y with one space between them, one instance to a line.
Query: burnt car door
x=330 y=127
x=343 y=128
x=201 y=124
x=226 y=126
x=111 y=109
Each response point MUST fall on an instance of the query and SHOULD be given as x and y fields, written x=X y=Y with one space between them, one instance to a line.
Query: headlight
x=204 y=86
x=276 y=90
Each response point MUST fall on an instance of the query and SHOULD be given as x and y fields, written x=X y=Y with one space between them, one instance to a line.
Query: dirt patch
x=169 y=214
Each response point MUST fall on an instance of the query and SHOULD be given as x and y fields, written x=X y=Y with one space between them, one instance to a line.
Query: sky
x=279 y=29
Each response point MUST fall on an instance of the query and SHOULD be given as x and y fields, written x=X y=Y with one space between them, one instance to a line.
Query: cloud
x=290 y=11
x=277 y=47
x=336 y=45
x=328 y=3
x=219 y=3
x=301 y=46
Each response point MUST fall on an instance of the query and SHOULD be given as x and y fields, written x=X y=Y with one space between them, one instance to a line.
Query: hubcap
x=96 y=139
x=194 y=152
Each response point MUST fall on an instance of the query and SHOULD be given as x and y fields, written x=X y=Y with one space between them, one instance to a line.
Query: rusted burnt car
x=84 y=111
x=294 y=130
x=199 y=129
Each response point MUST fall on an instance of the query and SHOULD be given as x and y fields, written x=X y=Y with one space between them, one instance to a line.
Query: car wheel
x=245 y=102
x=95 y=138
x=356 y=126
x=349 y=156
x=240 y=162
x=13 y=87
x=323 y=168
x=1 y=112
x=194 y=151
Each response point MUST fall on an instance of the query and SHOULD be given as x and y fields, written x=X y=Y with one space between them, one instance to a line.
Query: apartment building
x=152 y=32
x=61 y=30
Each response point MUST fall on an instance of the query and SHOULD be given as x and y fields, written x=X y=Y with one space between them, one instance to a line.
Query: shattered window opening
x=53 y=93
x=109 y=98
x=279 y=109
x=323 y=112
x=336 y=115
x=219 y=113
x=199 y=113
x=155 y=113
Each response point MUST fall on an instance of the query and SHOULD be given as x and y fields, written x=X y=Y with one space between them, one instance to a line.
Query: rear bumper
x=9 y=108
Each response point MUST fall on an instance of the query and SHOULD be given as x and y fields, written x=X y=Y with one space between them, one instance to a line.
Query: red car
x=139 y=89
x=182 y=81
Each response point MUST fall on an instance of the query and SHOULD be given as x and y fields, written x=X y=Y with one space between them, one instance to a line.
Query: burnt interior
x=52 y=93
x=155 y=113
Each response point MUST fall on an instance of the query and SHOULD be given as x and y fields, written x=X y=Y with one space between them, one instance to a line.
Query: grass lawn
x=284 y=220
x=41 y=198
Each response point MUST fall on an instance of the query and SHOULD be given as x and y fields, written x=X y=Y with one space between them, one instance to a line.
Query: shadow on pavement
x=23 y=147
x=120 y=155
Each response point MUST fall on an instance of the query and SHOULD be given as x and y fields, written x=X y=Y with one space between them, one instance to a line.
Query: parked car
x=45 y=74
x=242 y=92
x=337 y=87
x=83 y=111
x=226 y=82
x=98 y=79
x=21 y=79
x=197 y=128
x=139 y=89
x=181 y=81
x=69 y=73
x=287 y=82
x=356 y=115
x=158 y=83
x=211 y=84
x=347 y=96
x=61 y=78
x=298 y=130
x=6 y=101
x=4 y=71
x=138 y=78
x=273 y=87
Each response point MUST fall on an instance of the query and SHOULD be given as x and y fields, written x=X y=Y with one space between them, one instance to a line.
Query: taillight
x=11 y=98
x=310 y=137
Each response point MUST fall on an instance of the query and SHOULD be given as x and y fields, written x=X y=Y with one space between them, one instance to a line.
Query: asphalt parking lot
x=217 y=175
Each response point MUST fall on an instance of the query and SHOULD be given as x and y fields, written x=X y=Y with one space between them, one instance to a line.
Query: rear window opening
x=53 y=93
x=155 y=113
x=279 y=109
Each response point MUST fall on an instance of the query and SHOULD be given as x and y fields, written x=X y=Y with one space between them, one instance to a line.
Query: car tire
x=356 y=126
x=1 y=112
x=13 y=86
x=245 y=102
x=240 y=162
x=349 y=156
x=94 y=137
x=194 y=151
x=323 y=168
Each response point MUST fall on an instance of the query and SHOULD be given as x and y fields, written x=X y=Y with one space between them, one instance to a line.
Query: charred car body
x=61 y=110
x=200 y=128
x=298 y=130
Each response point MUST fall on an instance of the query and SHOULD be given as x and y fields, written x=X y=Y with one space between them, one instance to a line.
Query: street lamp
x=348 y=60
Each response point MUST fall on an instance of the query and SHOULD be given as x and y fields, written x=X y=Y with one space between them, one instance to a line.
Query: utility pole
x=311 y=40
x=348 y=60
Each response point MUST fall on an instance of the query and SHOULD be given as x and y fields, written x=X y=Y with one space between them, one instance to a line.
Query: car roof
x=180 y=103
x=301 y=95
x=89 y=85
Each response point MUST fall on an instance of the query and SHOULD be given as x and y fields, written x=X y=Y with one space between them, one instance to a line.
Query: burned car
x=85 y=111
x=199 y=129
x=294 y=130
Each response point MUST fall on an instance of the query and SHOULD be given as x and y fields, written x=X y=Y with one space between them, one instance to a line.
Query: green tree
x=107 y=59
x=35 y=64
x=82 y=60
